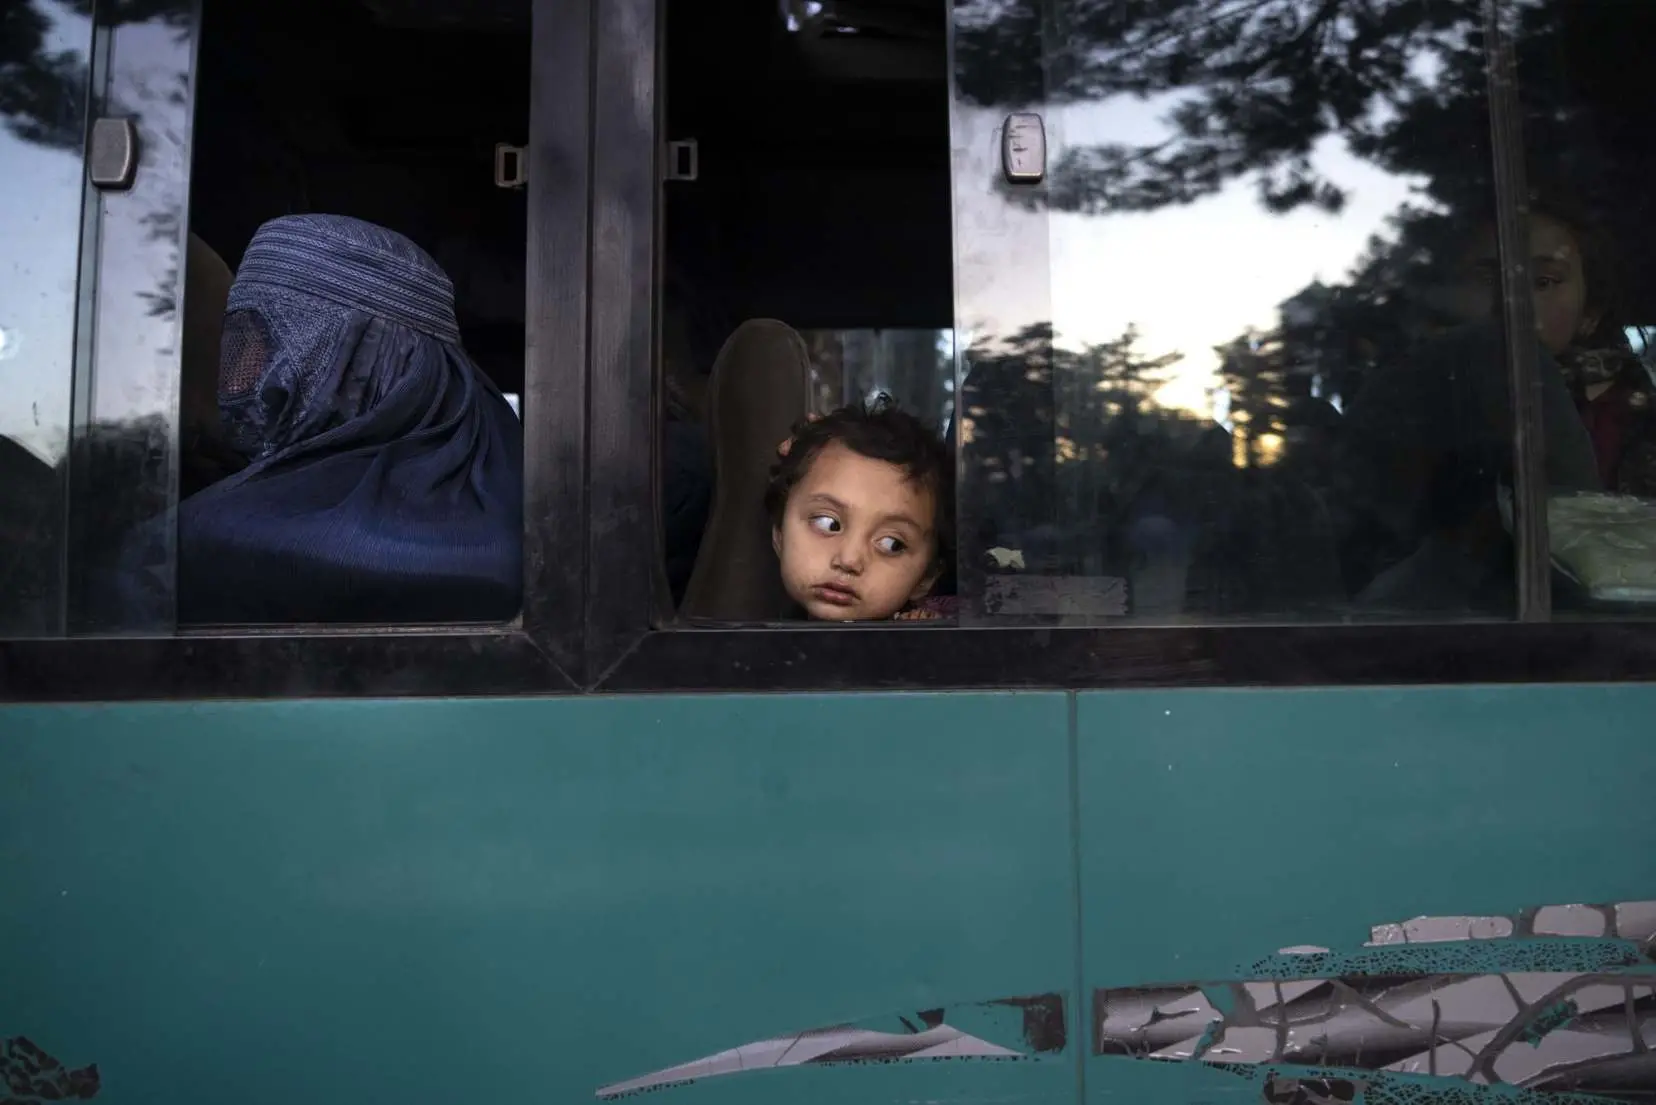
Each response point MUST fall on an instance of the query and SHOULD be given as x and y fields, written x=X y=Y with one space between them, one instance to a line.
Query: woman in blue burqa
x=385 y=481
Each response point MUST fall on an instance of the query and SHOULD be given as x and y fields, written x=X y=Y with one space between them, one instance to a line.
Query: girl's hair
x=878 y=431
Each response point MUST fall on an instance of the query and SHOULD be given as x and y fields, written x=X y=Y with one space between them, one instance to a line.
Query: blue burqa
x=386 y=473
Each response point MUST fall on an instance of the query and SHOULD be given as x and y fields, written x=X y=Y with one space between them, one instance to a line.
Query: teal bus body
x=536 y=899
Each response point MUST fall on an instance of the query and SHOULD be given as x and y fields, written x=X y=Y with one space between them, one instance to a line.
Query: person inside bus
x=205 y=456
x=385 y=472
x=1580 y=322
x=860 y=505
x=1439 y=431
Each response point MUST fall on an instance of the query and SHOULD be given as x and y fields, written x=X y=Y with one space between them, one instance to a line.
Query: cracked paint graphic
x=1555 y=1005
x=1009 y=1029
x=28 y=1075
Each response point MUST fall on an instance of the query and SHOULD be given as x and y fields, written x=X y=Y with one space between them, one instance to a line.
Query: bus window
x=44 y=74
x=1226 y=353
x=1225 y=344
x=820 y=199
x=1592 y=262
x=351 y=449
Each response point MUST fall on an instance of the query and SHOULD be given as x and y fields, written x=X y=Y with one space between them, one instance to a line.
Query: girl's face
x=856 y=540
x=1562 y=314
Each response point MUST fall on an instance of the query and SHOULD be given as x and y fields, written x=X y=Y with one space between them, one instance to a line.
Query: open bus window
x=821 y=200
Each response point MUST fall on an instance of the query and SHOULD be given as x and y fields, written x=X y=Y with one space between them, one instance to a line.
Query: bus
x=1292 y=359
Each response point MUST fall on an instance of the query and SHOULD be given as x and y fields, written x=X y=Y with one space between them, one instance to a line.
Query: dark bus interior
x=823 y=189
x=386 y=110
x=823 y=194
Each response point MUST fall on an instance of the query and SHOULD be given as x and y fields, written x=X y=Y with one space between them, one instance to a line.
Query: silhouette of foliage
x=1076 y=467
x=1245 y=88
x=43 y=91
x=1039 y=420
x=1249 y=90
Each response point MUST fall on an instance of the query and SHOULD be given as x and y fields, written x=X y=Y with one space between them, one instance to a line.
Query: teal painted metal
x=464 y=900
x=536 y=899
x=1218 y=828
x=1241 y=822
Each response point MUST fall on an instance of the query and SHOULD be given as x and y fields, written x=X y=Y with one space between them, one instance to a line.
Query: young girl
x=1579 y=322
x=861 y=506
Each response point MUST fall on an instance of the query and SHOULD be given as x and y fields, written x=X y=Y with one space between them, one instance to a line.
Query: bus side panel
x=531 y=900
x=1464 y=879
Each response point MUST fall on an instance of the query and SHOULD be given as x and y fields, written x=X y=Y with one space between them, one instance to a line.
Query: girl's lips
x=834 y=595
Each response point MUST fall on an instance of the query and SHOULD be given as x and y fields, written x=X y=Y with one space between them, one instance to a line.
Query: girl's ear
x=776 y=540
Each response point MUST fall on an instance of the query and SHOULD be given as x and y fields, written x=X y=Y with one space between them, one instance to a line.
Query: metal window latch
x=683 y=160
x=112 y=154
x=511 y=165
x=1023 y=148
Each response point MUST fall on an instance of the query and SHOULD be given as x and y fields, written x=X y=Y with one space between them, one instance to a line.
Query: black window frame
x=596 y=618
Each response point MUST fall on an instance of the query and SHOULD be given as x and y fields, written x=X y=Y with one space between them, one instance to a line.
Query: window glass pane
x=126 y=441
x=45 y=55
x=352 y=347
x=912 y=368
x=1233 y=356
x=1593 y=261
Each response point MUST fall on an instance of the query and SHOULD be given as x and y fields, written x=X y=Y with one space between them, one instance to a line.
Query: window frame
x=595 y=617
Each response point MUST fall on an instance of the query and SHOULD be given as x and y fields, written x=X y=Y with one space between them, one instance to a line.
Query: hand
x=782 y=449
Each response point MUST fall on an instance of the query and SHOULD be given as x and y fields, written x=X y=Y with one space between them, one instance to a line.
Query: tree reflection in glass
x=1267 y=201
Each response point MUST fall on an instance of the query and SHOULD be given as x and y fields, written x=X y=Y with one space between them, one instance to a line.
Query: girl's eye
x=825 y=523
x=1544 y=282
x=891 y=546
